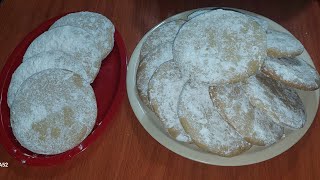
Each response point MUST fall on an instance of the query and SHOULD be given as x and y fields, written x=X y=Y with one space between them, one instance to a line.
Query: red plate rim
x=59 y=158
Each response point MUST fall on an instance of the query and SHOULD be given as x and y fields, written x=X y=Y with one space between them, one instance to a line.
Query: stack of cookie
x=52 y=104
x=224 y=81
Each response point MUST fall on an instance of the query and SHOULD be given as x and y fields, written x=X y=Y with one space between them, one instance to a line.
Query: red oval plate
x=109 y=88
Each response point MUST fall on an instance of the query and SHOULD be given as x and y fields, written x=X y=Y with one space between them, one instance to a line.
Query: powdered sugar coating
x=148 y=66
x=165 y=87
x=293 y=72
x=252 y=124
x=280 y=44
x=200 y=119
x=40 y=62
x=270 y=131
x=53 y=111
x=219 y=46
x=73 y=41
x=163 y=34
x=198 y=12
x=279 y=102
x=100 y=27
x=263 y=23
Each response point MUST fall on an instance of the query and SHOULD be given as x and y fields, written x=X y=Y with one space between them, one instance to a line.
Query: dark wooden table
x=126 y=150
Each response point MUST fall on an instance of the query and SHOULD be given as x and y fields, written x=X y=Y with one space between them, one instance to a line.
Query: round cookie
x=280 y=44
x=164 y=90
x=148 y=66
x=219 y=46
x=100 y=27
x=293 y=72
x=200 y=119
x=252 y=124
x=198 y=12
x=53 y=111
x=73 y=41
x=165 y=33
x=40 y=62
x=279 y=102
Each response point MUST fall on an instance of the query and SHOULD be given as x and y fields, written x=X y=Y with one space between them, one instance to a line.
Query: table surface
x=126 y=150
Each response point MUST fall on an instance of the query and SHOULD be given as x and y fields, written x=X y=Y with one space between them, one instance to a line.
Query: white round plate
x=256 y=154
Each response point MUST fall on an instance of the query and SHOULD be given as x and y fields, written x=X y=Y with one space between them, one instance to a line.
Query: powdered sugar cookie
x=148 y=66
x=163 y=34
x=280 y=44
x=164 y=90
x=263 y=23
x=208 y=130
x=73 y=41
x=219 y=46
x=273 y=132
x=53 y=111
x=100 y=27
x=279 y=102
x=252 y=124
x=293 y=72
x=40 y=62
x=198 y=12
